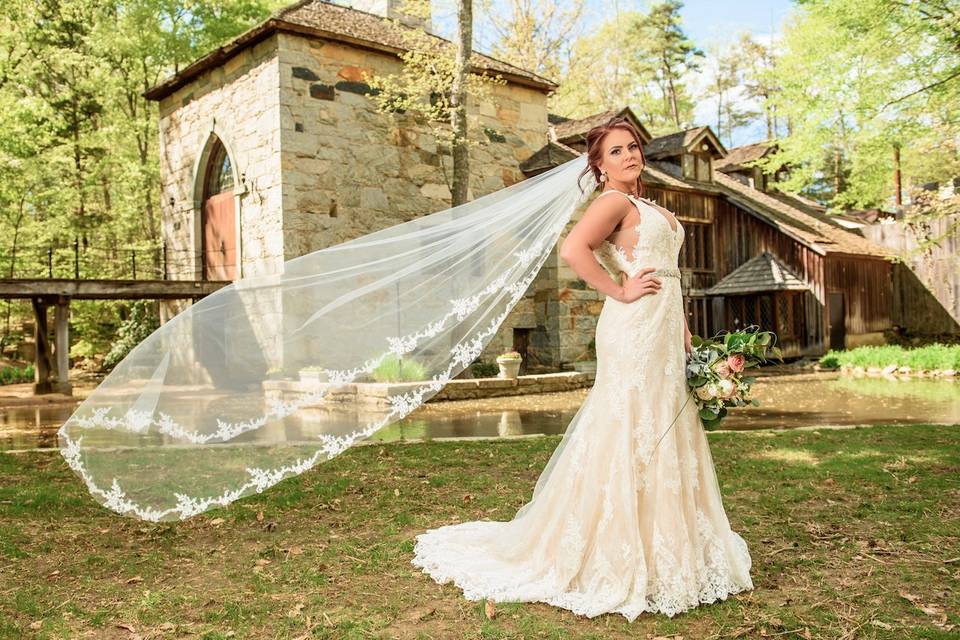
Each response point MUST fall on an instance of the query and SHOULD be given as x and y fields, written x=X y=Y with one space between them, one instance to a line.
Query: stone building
x=271 y=147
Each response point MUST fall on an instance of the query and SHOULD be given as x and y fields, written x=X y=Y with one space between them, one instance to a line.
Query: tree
x=756 y=65
x=724 y=67
x=597 y=75
x=433 y=85
x=861 y=83
x=666 y=55
x=533 y=33
x=78 y=152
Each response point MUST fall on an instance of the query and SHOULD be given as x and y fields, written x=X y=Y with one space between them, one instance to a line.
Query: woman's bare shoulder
x=609 y=207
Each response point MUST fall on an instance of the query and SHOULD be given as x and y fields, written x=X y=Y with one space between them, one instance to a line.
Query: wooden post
x=41 y=373
x=61 y=348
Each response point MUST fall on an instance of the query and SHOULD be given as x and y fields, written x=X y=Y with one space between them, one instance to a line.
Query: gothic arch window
x=219 y=173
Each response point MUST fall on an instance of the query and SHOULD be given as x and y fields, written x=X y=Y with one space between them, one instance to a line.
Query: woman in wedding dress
x=627 y=515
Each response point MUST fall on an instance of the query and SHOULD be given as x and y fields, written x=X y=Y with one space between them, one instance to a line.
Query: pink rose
x=736 y=362
x=722 y=369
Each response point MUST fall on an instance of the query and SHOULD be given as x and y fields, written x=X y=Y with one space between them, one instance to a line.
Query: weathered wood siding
x=927 y=295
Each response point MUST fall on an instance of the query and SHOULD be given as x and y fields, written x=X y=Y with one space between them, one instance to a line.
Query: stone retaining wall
x=374 y=395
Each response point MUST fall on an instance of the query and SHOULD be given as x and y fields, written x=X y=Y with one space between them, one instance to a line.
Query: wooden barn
x=751 y=255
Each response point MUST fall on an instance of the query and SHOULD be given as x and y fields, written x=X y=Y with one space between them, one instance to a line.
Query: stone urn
x=509 y=364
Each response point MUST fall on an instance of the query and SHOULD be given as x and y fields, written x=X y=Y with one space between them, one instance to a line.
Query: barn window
x=689 y=166
x=697 y=251
x=703 y=167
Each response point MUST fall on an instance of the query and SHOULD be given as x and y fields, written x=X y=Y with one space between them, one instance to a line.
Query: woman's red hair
x=595 y=138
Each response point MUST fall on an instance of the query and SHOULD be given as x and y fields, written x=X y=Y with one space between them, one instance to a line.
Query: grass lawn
x=854 y=534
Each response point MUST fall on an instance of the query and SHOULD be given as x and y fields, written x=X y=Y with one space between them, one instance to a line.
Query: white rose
x=727 y=387
x=704 y=393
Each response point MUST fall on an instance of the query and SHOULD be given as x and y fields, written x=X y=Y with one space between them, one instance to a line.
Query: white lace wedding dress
x=617 y=523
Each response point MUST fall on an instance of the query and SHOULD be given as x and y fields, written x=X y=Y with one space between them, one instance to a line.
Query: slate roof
x=765 y=272
x=738 y=156
x=325 y=20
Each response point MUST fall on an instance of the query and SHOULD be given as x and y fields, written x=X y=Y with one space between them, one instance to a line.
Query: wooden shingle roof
x=738 y=156
x=319 y=19
x=547 y=157
x=574 y=130
x=765 y=272
x=679 y=142
x=816 y=230
x=796 y=217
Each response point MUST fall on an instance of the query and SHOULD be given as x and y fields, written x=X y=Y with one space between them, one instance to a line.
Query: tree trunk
x=897 y=185
x=458 y=103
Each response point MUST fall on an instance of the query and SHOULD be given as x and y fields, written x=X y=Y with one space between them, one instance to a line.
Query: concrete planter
x=313 y=375
x=509 y=368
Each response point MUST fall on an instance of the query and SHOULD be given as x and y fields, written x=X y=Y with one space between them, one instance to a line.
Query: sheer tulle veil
x=252 y=384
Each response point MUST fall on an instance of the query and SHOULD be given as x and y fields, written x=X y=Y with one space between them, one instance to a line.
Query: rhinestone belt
x=666 y=273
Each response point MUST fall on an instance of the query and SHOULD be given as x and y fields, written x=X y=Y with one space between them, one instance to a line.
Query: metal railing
x=74 y=261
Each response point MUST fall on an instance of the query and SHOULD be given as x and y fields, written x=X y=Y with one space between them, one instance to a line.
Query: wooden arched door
x=219 y=249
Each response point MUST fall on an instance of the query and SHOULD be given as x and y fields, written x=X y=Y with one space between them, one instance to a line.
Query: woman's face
x=622 y=158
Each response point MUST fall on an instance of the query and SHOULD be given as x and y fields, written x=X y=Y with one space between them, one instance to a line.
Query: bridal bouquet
x=715 y=370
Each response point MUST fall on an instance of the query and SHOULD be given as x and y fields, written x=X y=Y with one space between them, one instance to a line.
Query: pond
x=787 y=401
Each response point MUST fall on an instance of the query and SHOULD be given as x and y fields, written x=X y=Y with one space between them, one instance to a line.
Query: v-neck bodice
x=657 y=244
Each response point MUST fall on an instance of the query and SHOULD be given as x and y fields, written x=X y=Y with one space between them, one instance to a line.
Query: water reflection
x=786 y=402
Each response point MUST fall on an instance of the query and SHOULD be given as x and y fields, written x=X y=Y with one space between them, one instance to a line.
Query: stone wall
x=348 y=169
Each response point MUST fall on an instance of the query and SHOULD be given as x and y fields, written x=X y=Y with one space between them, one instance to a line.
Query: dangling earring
x=603 y=176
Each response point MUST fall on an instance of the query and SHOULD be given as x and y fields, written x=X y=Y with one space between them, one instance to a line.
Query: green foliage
x=888 y=79
x=396 y=369
x=422 y=87
x=636 y=58
x=715 y=368
x=935 y=356
x=78 y=141
x=485 y=369
x=140 y=324
x=13 y=375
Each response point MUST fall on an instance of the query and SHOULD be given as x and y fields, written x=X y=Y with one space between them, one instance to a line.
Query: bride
x=270 y=376
x=627 y=515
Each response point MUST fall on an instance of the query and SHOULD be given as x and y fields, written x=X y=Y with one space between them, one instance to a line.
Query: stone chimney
x=392 y=9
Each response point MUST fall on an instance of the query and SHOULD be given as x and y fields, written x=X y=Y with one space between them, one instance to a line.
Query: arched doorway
x=217 y=218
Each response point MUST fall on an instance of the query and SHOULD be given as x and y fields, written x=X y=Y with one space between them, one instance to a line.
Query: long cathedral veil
x=252 y=384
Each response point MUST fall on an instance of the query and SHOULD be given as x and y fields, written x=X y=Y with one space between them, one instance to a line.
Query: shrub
x=395 y=369
x=141 y=323
x=830 y=360
x=485 y=369
x=13 y=375
x=934 y=356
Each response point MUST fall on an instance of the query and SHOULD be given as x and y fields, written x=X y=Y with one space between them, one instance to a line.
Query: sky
x=704 y=21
